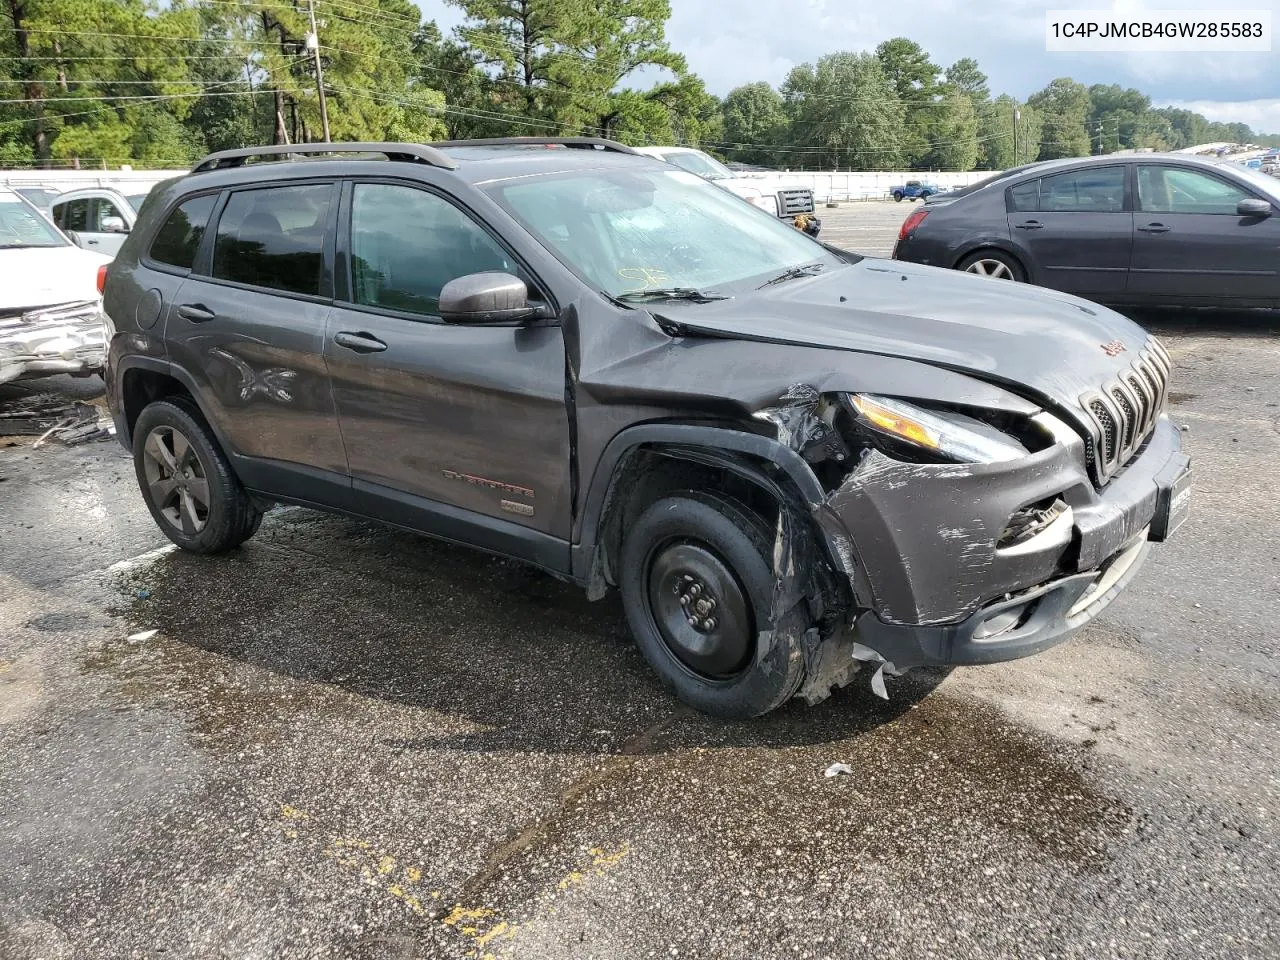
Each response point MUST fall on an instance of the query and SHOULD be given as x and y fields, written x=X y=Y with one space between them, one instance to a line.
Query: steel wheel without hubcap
x=700 y=610
x=176 y=480
x=990 y=268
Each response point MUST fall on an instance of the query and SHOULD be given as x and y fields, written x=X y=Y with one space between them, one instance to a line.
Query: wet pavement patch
x=335 y=716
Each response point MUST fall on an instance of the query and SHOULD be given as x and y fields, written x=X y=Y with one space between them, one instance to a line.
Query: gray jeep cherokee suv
x=790 y=460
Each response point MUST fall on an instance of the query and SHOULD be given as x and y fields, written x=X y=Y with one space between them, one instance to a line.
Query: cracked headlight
x=951 y=436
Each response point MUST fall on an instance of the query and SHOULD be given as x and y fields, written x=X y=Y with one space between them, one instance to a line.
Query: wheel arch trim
x=714 y=446
x=164 y=368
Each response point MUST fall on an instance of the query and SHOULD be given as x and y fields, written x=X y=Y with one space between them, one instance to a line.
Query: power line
x=157 y=97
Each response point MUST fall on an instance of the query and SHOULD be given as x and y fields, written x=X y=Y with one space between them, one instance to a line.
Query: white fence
x=826 y=186
x=64 y=180
x=871 y=186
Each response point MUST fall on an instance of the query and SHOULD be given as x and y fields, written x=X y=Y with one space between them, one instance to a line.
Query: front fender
x=712 y=441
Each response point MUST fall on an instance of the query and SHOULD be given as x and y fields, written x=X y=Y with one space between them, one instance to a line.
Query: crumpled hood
x=1030 y=339
x=44 y=276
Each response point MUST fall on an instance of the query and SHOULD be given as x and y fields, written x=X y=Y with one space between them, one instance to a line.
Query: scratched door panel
x=261 y=360
x=470 y=416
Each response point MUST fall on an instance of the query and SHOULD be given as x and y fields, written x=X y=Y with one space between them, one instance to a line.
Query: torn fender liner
x=800 y=568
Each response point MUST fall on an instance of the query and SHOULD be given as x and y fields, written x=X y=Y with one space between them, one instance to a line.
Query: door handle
x=196 y=312
x=92 y=243
x=1030 y=225
x=359 y=342
x=1154 y=228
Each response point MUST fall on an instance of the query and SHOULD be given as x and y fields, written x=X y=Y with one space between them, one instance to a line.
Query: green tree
x=954 y=144
x=367 y=51
x=1115 y=116
x=847 y=110
x=1155 y=133
x=756 y=118
x=562 y=66
x=917 y=81
x=475 y=103
x=84 y=70
x=996 y=134
x=964 y=76
x=1064 y=110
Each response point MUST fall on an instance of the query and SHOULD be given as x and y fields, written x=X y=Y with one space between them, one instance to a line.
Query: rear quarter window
x=179 y=236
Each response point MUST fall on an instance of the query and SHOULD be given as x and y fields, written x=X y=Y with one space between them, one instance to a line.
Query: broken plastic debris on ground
x=51 y=418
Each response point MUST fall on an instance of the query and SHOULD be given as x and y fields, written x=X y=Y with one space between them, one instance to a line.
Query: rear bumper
x=938 y=587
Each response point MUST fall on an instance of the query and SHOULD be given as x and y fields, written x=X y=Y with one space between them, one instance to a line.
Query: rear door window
x=178 y=238
x=275 y=238
x=1092 y=190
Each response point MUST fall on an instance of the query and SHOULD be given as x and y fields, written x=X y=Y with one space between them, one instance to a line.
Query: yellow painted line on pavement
x=480 y=926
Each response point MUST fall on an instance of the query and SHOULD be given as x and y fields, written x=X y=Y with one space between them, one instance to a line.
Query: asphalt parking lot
x=345 y=742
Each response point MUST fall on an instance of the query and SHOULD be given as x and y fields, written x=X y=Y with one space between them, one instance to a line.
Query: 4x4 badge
x=1114 y=348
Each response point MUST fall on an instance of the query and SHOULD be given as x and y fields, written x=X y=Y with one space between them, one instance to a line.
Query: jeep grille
x=1125 y=410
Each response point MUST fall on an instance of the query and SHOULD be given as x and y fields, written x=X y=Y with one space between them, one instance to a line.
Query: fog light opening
x=1002 y=622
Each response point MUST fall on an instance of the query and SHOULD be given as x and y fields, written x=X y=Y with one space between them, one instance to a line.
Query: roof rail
x=582 y=143
x=411 y=152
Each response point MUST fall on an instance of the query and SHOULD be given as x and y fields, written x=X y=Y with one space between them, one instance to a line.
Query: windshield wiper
x=804 y=270
x=669 y=293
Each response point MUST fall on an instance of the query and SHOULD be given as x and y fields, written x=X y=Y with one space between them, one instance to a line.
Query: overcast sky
x=730 y=42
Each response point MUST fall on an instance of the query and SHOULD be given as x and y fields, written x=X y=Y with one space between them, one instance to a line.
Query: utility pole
x=1017 y=115
x=313 y=41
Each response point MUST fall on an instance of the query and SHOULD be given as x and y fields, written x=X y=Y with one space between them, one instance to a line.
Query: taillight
x=909 y=225
x=102 y=278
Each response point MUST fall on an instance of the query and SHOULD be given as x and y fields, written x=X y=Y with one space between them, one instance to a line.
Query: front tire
x=188 y=485
x=697 y=581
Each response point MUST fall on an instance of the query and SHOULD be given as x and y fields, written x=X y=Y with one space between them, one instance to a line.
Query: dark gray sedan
x=1147 y=229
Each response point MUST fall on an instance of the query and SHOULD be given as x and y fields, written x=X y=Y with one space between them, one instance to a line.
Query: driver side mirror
x=112 y=224
x=491 y=297
x=1253 y=208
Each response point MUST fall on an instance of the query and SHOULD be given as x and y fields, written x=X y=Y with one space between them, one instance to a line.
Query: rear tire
x=696 y=577
x=897 y=196
x=188 y=485
x=995 y=264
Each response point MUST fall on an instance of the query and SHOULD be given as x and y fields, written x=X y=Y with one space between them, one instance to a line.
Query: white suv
x=787 y=201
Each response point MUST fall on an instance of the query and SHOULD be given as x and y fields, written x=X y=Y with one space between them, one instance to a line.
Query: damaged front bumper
x=70 y=338
x=922 y=546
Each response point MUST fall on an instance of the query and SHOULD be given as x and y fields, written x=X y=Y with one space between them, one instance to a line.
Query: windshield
x=22 y=226
x=40 y=196
x=135 y=200
x=699 y=163
x=625 y=231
